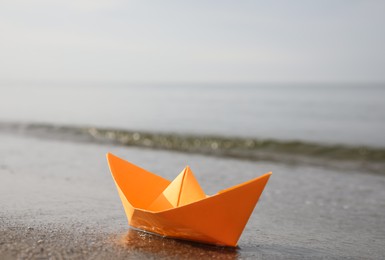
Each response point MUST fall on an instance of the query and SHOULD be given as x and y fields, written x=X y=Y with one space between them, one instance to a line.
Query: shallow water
x=328 y=113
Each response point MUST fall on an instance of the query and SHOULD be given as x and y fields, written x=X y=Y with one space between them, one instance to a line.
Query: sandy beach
x=58 y=201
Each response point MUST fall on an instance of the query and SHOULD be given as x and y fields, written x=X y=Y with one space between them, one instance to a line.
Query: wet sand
x=58 y=201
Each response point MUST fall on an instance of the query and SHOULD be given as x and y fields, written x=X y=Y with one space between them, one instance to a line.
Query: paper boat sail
x=180 y=209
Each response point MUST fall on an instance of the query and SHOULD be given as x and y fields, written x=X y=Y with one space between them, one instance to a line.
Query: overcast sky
x=192 y=41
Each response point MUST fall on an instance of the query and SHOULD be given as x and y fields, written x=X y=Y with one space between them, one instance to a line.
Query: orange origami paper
x=180 y=209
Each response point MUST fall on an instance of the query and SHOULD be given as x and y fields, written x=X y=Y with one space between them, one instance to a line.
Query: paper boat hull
x=218 y=219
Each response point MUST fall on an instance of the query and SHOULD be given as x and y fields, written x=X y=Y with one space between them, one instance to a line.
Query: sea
x=333 y=114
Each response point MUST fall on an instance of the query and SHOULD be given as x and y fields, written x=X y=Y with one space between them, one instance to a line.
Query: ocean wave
x=234 y=147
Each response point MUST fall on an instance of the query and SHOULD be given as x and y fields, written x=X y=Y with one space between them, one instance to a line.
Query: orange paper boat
x=180 y=209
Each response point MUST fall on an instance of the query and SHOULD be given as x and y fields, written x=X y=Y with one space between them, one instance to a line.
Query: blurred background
x=277 y=70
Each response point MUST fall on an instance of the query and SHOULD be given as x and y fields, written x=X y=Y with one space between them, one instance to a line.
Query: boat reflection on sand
x=146 y=244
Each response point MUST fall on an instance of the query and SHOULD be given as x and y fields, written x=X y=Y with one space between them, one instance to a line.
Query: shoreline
x=335 y=156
